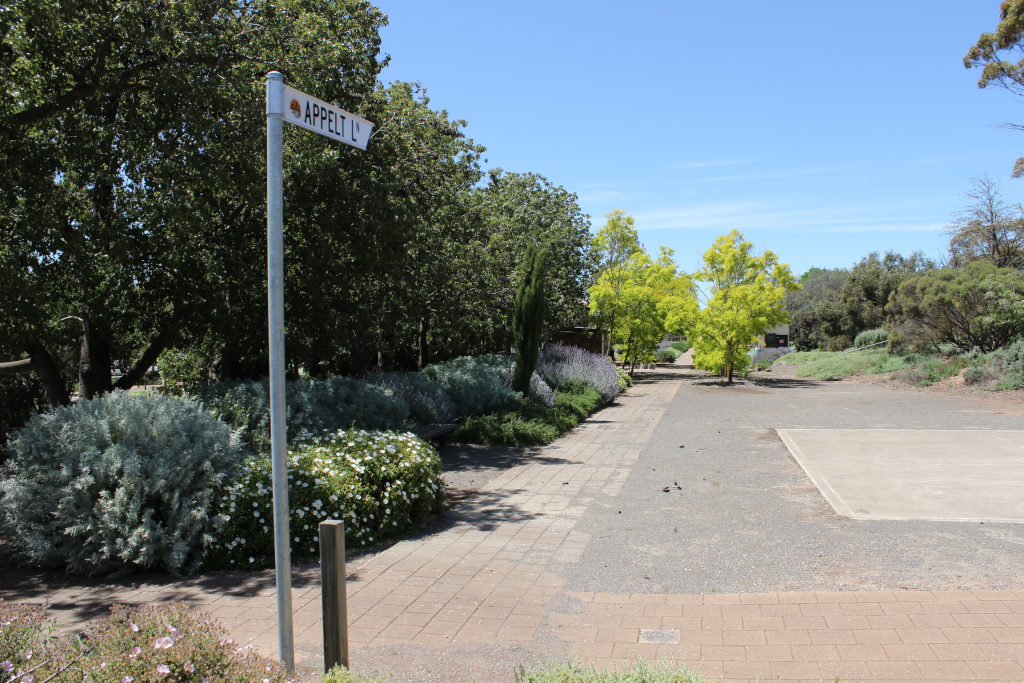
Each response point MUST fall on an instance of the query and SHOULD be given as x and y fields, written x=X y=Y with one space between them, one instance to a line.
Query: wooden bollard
x=332 y=592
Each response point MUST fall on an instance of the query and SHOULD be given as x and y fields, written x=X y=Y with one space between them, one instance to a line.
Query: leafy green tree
x=817 y=318
x=975 y=306
x=131 y=189
x=390 y=268
x=519 y=209
x=870 y=283
x=988 y=229
x=645 y=298
x=528 y=319
x=990 y=50
x=614 y=245
x=747 y=293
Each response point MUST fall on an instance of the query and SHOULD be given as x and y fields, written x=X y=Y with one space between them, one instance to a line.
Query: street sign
x=288 y=104
x=322 y=117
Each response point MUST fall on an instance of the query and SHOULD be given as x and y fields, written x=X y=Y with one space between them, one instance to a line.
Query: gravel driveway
x=716 y=503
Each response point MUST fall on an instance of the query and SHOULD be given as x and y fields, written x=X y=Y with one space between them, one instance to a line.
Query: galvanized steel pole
x=275 y=318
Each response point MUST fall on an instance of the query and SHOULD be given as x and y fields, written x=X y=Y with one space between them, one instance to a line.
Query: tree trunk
x=611 y=341
x=53 y=381
x=94 y=364
x=41 y=362
x=138 y=370
x=421 y=361
x=728 y=373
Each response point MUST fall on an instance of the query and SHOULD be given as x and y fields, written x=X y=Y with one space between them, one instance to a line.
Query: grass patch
x=528 y=422
x=836 y=365
x=911 y=368
x=640 y=672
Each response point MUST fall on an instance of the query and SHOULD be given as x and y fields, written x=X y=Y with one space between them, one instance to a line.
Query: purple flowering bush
x=134 y=645
x=764 y=358
x=564 y=366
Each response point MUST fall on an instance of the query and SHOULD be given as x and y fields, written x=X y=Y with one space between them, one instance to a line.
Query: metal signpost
x=288 y=104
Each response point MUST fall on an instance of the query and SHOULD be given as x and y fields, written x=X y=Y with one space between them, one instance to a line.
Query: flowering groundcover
x=134 y=645
x=380 y=484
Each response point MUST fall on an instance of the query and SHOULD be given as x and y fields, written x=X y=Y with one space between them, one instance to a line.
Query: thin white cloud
x=706 y=164
x=777 y=173
x=764 y=216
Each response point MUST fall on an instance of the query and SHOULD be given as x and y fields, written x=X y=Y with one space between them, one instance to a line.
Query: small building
x=775 y=338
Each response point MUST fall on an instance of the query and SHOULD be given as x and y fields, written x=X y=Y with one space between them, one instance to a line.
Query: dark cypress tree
x=528 y=317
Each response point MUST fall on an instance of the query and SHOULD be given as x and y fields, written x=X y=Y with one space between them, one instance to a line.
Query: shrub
x=314 y=406
x=340 y=674
x=526 y=422
x=426 y=402
x=625 y=381
x=123 y=480
x=869 y=337
x=563 y=366
x=831 y=365
x=682 y=346
x=381 y=484
x=540 y=391
x=1009 y=363
x=473 y=383
x=186 y=370
x=668 y=355
x=172 y=642
x=765 y=358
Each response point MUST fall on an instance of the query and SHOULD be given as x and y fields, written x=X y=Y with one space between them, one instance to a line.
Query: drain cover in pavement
x=942 y=474
x=659 y=635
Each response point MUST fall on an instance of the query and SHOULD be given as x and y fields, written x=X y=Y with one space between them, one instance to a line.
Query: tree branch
x=148 y=357
x=17 y=367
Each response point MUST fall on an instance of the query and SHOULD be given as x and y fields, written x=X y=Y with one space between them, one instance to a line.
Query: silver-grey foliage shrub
x=473 y=383
x=314 y=406
x=427 y=404
x=563 y=366
x=123 y=480
x=1010 y=365
x=869 y=337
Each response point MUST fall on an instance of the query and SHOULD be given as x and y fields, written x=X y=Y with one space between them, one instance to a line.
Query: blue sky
x=821 y=130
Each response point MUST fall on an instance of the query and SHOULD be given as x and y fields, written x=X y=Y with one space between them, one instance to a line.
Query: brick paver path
x=472 y=600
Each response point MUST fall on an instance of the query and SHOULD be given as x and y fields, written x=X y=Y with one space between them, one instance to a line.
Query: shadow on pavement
x=458 y=456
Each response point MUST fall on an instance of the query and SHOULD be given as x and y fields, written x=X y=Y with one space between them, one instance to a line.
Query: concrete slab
x=948 y=475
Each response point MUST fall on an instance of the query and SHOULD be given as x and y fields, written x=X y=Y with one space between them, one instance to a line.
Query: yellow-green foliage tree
x=615 y=244
x=642 y=298
x=746 y=298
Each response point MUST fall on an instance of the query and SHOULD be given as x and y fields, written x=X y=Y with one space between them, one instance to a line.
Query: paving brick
x=957 y=651
x=894 y=671
x=922 y=635
x=833 y=637
x=1000 y=670
x=969 y=635
x=743 y=638
x=948 y=669
x=797 y=671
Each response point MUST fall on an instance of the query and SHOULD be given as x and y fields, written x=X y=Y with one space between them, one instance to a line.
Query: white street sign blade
x=321 y=117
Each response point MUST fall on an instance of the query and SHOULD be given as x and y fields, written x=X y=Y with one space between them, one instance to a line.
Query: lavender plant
x=563 y=366
x=540 y=391
x=764 y=358
x=125 y=480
